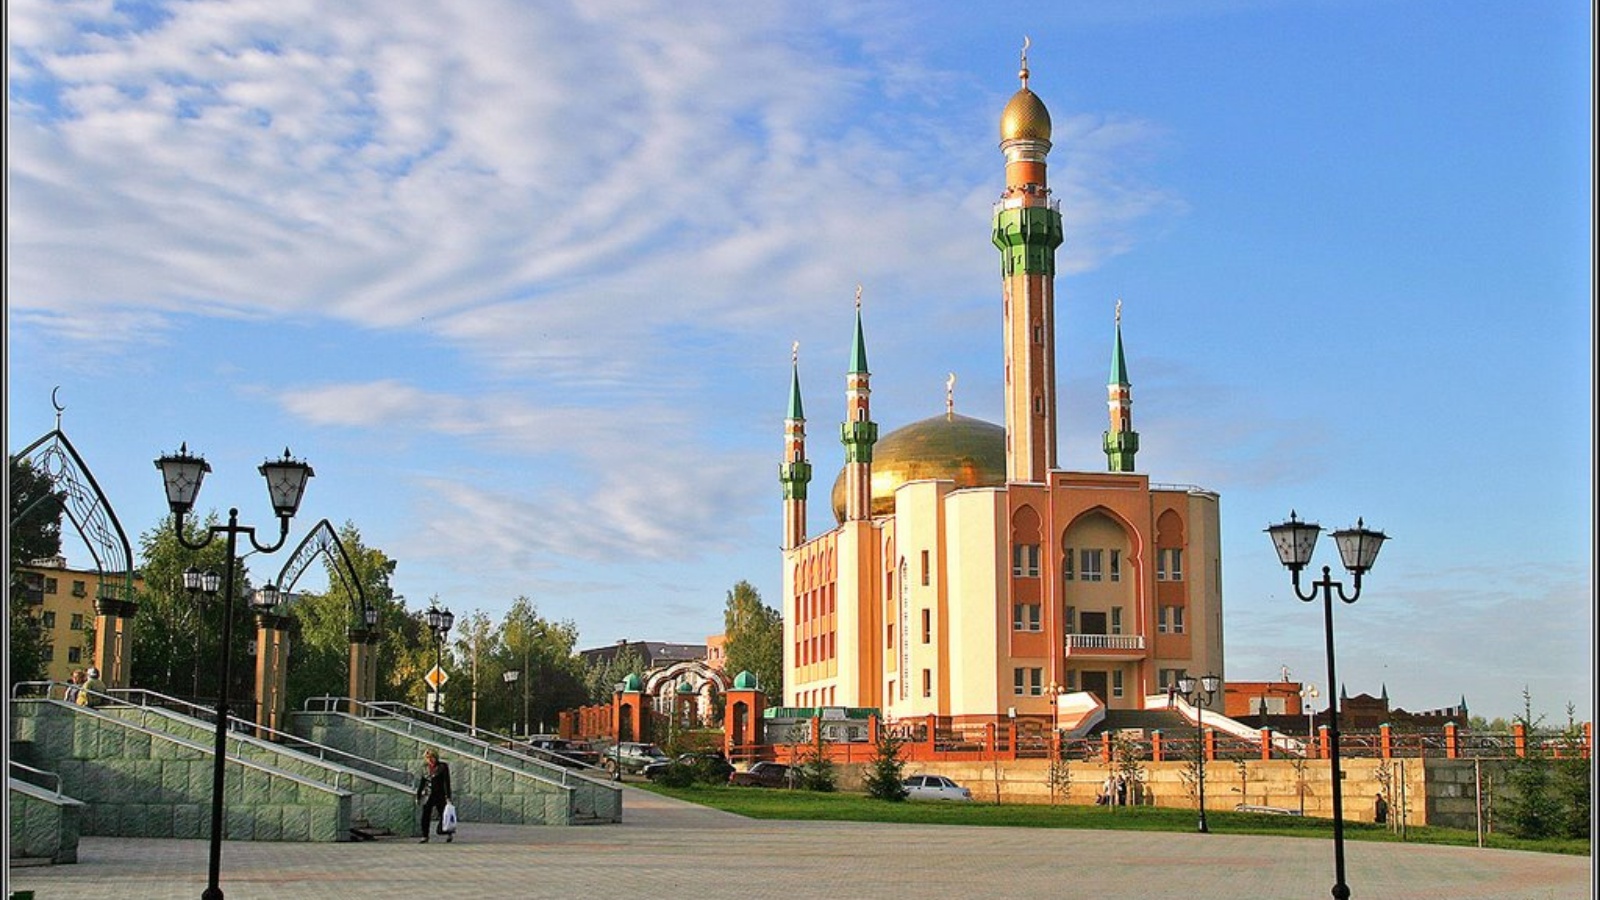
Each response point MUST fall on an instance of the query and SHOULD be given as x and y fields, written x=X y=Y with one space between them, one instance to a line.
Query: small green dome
x=684 y=688
x=745 y=681
x=633 y=684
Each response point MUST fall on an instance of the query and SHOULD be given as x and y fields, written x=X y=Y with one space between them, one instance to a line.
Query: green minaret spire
x=795 y=410
x=794 y=473
x=1121 y=442
x=858 y=352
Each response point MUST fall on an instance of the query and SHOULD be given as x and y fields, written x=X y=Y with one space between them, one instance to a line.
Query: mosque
x=968 y=576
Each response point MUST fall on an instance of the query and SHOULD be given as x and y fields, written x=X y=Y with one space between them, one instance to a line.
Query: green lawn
x=762 y=803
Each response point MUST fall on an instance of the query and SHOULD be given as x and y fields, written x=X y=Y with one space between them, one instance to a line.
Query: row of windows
x=74 y=654
x=1028 y=617
x=79 y=588
x=1029 y=682
x=814 y=649
x=48 y=620
x=1085 y=564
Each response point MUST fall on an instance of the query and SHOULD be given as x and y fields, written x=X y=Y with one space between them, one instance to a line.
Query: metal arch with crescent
x=85 y=505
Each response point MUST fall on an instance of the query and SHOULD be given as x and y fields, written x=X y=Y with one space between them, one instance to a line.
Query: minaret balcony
x=1104 y=646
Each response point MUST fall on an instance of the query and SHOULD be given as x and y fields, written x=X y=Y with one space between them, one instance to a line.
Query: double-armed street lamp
x=439 y=622
x=286 y=483
x=1358 y=550
x=1191 y=691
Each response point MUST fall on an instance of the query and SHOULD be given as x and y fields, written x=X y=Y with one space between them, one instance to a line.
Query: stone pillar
x=113 y=639
x=272 y=670
x=363 y=666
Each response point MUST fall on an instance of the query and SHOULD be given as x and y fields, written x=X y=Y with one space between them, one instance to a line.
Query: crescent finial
x=794 y=353
x=1119 y=310
x=858 y=298
x=1026 y=43
x=950 y=396
x=57 y=404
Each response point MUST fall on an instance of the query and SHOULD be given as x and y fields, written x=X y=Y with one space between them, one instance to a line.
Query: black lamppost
x=511 y=676
x=1358 y=550
x=286 y=483
x=1191 y=692
x=439 y=622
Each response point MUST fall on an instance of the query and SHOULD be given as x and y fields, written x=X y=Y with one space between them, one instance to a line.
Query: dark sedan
x=762 y=774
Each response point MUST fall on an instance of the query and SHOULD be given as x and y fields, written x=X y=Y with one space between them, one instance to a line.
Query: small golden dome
x=1025 y=118
x=968 y=451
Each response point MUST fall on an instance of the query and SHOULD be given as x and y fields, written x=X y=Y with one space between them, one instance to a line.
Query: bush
x=813 y=770
x=677 y=774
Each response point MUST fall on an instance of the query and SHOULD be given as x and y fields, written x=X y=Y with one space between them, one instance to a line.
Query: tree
x=755 y=638
x=544 y=652
x=885 y=773
x=320 y=647
x=176 y=642
x=601 y=678
x=1532 y=810
x=34 y=533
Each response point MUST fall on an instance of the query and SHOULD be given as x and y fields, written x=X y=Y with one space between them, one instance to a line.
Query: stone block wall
x=138 y=784
x=373 y=800
x=489 y=785
x=44 y=825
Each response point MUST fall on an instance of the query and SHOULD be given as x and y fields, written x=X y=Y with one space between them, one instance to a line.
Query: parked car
x=630 y=757
x=762 y=774
x=935 y=787
x=714 y=765
x=572 y=754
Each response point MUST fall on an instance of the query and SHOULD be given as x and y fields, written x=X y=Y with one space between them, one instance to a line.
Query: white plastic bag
x=447 y=820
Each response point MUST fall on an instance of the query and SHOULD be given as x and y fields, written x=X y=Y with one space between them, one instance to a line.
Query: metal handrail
x=392 y=709
x=323 y=751
x=17 y=765
x=142 y=729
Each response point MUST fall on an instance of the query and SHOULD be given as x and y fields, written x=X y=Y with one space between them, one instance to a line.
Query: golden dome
x=1025 y=118
x=968 y=451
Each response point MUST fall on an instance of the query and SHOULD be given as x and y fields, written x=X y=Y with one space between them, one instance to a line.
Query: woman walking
x=433 y=792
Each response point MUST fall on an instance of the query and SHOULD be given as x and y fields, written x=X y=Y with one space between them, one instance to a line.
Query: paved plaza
x=668 y=849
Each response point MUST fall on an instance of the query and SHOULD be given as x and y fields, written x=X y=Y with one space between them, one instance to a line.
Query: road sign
x=436 y=678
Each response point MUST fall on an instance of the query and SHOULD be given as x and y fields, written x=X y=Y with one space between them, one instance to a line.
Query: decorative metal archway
x=324 y=541
x=85 y=506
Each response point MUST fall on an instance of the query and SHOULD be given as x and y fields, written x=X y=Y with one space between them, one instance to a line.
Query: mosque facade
x=970 y=578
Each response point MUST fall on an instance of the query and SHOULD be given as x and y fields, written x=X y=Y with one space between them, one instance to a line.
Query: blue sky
x=520 y=281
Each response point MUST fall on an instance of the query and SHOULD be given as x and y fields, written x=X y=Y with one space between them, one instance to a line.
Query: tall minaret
x=858 y=432
x=794 y=473
x=1027 y=230
x=1121 y=441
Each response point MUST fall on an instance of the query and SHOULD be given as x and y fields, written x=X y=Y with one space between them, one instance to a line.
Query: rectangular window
x=1168 y=677
x=77 y=621
x=1071 y=620
x=1036 y=682
x=1072 y=680
x=1116 y=565
x=1161 y=624
x=1169 y=565
x=1116 y=682
x=1177 y=620
x=74 y=654
x=1025 y=560
x=49 y=618
x=891 y=636
x=1089 y=570
x=48 y=652
x=1116 y=620
x=927 y=682
x=49 y=585
x=927 y=626
x=1026 y=617
x=925 y=568
x=1066 y=565
x=1018 y=682
x=79 y=589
